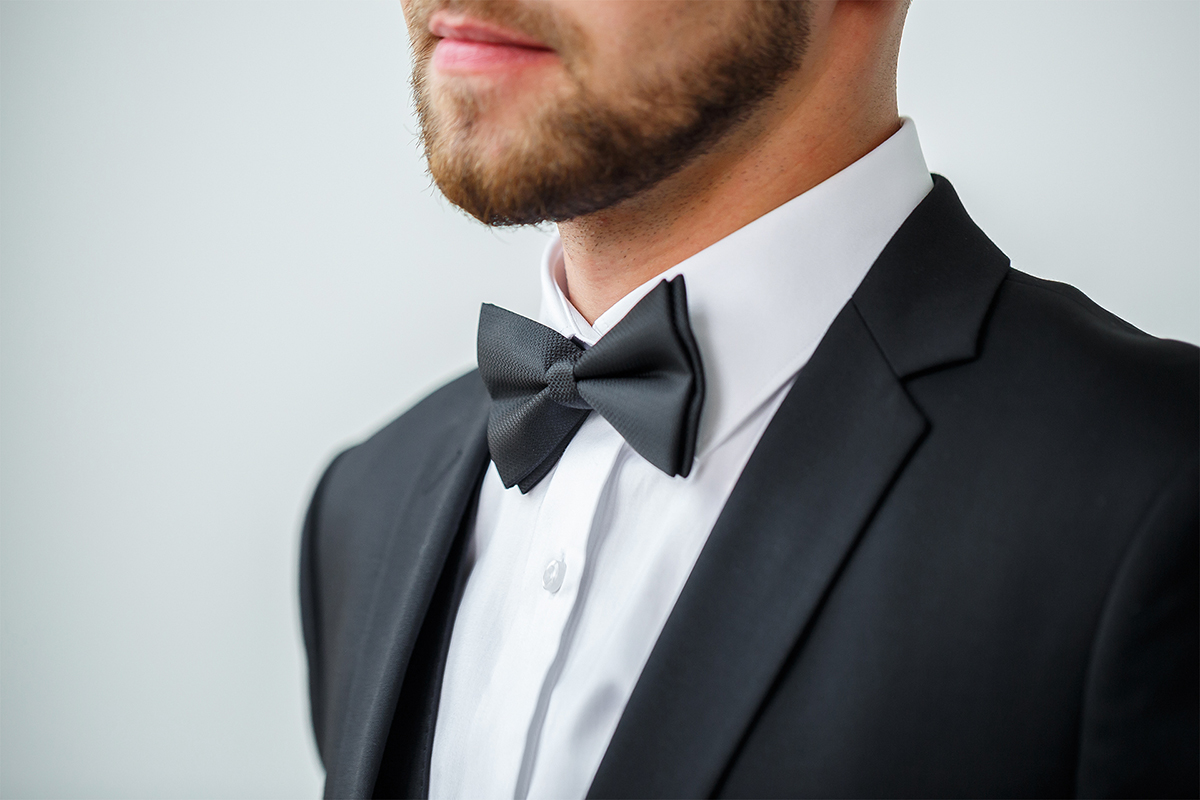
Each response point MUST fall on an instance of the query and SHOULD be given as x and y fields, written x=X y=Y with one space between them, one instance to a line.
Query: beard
x=577 y=153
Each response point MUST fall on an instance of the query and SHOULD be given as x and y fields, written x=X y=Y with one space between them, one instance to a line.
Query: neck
x=830 y=114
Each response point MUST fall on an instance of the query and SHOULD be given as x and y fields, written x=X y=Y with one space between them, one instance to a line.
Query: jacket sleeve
x=1140 y=734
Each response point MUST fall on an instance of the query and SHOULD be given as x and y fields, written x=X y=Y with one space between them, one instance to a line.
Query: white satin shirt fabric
x=571 y=584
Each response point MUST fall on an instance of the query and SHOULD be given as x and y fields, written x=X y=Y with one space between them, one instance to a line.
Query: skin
x=839 y=105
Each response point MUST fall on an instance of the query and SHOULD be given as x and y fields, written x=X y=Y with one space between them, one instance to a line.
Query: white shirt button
x=553 y=575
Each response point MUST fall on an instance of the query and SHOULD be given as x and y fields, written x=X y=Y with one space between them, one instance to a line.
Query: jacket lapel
x=413 y=561
x=825 y=462
x=829 y=453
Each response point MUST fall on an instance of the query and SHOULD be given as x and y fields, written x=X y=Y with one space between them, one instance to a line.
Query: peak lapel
x=824 y=464
x=420 y=541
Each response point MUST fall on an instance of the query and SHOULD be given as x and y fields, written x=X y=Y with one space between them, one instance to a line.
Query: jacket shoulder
x=365 y=487
x=397 y=453
x=447 y=404
x=1062 y=352
x=1032 y=294
x=1067 y=419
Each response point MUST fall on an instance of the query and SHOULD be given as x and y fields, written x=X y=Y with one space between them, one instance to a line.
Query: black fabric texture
x=644 y=377
x=961 y=562
x=404 y=765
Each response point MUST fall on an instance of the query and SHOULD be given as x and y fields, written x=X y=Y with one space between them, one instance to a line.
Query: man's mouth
x=468 y=45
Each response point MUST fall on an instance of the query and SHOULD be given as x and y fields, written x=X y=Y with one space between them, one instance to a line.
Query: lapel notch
x=927 y=295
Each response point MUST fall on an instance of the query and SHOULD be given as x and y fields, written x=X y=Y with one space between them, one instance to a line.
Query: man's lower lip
x=462 y=55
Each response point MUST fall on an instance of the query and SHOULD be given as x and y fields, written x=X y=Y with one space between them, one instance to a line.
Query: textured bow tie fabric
x=644 y=377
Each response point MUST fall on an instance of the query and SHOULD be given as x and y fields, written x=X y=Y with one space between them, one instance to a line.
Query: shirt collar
x=761 y=299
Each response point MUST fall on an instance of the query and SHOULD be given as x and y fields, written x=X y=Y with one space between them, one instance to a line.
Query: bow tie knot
x=644 y=377
x=560 y=381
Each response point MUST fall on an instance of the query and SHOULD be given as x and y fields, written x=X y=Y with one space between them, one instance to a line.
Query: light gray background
x=220 y=262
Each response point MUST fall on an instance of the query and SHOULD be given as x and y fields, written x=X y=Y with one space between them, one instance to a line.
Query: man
x=796 y=489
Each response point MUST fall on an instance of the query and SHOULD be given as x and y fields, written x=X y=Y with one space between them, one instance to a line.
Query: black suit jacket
x=962 y=561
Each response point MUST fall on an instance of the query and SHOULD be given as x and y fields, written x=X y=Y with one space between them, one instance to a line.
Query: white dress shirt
x=571 y=584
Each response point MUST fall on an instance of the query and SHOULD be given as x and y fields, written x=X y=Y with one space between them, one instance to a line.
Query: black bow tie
x=644 y=377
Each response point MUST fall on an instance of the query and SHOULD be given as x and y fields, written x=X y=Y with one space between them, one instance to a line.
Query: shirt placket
x=548 y=590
